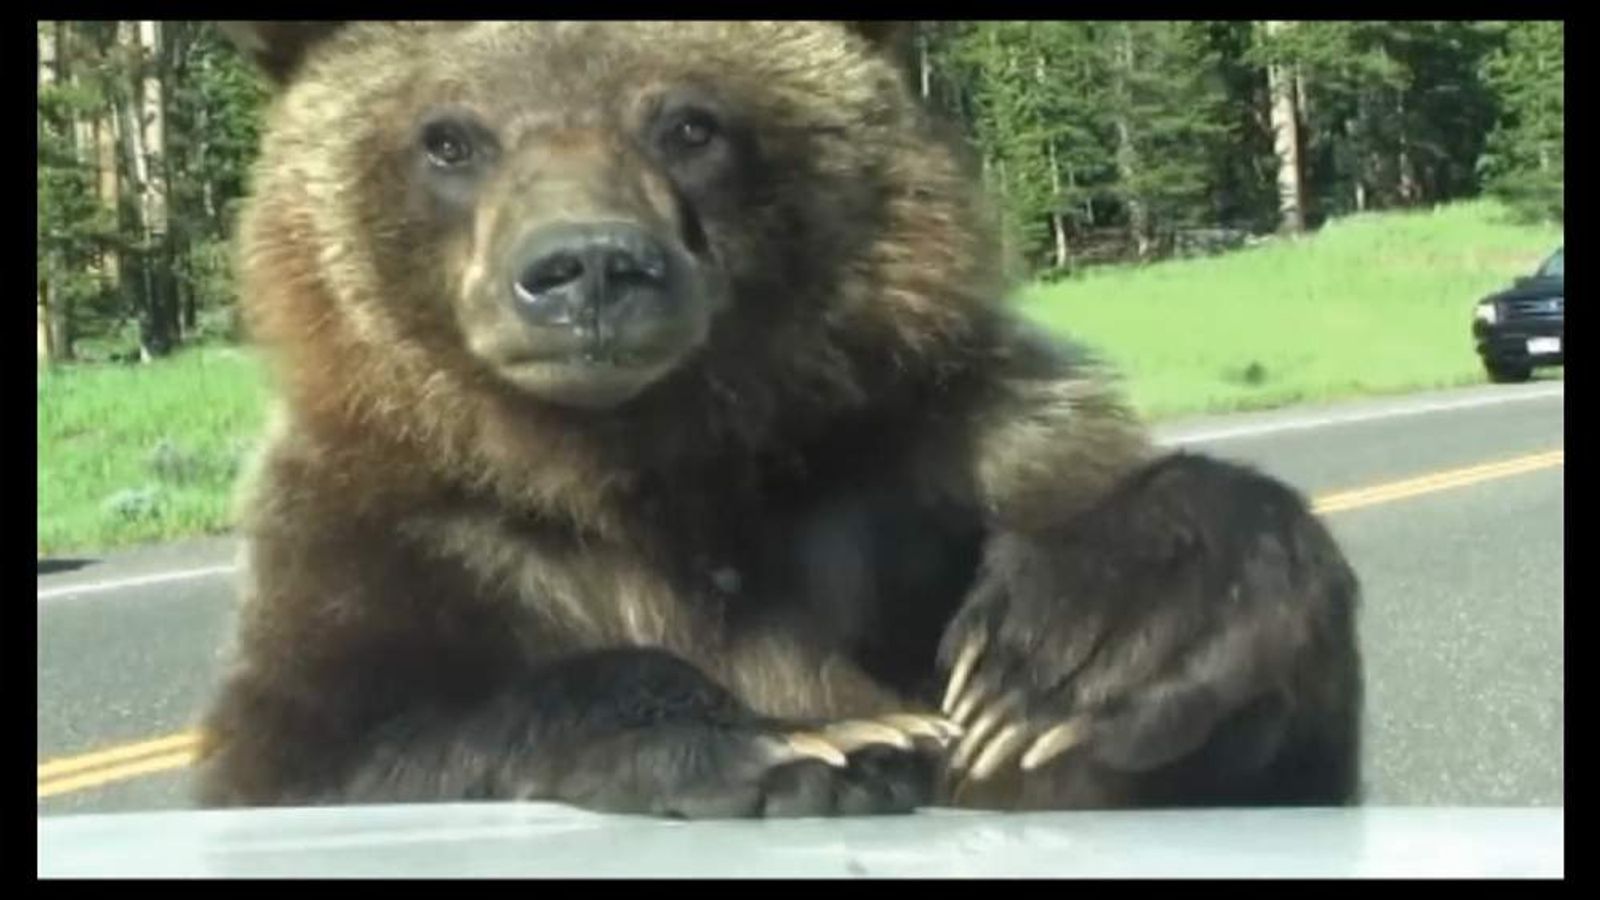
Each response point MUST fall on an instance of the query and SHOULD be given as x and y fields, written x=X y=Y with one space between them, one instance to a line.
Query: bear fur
x=653 y=438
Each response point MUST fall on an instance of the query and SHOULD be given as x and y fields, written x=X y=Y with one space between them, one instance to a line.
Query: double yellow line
x=76 y=773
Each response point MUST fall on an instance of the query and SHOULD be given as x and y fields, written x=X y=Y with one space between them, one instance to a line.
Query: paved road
x=1462 y=627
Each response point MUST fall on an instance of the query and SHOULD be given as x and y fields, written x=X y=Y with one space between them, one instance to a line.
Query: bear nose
x=566 y=271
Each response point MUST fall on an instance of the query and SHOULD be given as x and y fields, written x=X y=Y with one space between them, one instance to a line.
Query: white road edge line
x=1306 y=424
x=1202 y=437
x=96 y=587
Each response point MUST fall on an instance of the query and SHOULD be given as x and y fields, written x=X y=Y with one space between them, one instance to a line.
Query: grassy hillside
x=1370 y=304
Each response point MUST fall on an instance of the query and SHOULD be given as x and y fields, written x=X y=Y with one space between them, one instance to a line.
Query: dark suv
x=1521 y=327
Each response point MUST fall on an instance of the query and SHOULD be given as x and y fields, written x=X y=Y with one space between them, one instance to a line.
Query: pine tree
x=1524 y=161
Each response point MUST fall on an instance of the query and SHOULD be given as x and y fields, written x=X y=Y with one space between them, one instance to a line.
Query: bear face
x=586 y=222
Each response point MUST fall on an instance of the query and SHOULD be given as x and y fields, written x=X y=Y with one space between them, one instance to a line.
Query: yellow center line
x=76 y=773
x=123 y=772
x=1438 y=481
x=74 y=764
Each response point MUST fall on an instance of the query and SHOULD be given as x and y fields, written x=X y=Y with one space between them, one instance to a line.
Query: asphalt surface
x=1461 y=630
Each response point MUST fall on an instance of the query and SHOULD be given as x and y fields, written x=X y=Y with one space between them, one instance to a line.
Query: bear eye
x=447 y=145
x=691 y=130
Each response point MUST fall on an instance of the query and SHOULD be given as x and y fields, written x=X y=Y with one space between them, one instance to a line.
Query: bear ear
x=893 y=38
x=276 y=48
x=894 y=41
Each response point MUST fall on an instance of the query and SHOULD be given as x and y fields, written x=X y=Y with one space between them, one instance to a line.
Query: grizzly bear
x=655 y=438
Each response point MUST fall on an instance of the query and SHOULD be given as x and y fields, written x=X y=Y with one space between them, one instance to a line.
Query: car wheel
x=1507 y=373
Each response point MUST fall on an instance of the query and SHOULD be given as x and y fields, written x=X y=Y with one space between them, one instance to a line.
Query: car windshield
x=1552 y=267
x=971 y=571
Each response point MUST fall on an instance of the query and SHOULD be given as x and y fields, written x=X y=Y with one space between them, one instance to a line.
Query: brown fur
x=422 y=532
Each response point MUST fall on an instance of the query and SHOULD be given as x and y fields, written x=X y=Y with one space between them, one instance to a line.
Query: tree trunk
x=1005 y=233
x=1058 y=231
x=110 y=160
x=109 y=186
x=1058 y=218
x=177 y=40
x=924 y=63
x=144 y=127
x=1302 y=103
x=152 y=95
x=46 y=354
x=1127 y=151
x=129 y=113
x=132 y=135
x=1354 y=137
x=73 y=44
x=1281 y=83
x=201 y=151
x=1058 y=222
x=49 y=44
x=1405 y=163
x=108 y=167
x=82 y=125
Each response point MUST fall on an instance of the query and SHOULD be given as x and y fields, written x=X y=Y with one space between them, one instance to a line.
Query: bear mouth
x=583 y=382
x=586 y=351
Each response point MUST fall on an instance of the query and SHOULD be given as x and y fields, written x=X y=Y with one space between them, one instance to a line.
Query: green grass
x=129 y=454
x=1376 y=303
